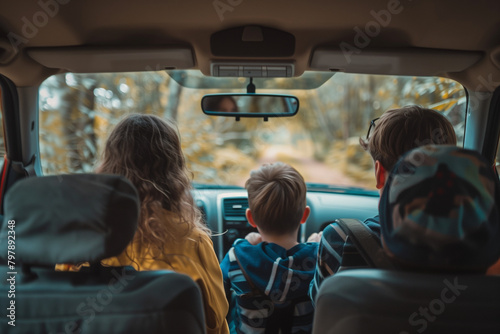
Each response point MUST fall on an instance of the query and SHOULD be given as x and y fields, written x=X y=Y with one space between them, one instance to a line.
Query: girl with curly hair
x=170 y=233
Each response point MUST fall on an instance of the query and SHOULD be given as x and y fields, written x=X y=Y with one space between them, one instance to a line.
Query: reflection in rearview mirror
x=250 y=105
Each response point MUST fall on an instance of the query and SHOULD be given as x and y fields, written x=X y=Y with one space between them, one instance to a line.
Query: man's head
x=277 y=199
x=398 y=131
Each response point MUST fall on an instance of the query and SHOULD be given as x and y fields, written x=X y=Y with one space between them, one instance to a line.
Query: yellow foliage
x=321 y=140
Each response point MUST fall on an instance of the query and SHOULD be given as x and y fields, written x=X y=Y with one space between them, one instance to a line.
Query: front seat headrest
x=69 y=218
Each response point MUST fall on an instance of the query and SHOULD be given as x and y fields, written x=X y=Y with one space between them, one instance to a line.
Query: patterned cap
x=439 y=210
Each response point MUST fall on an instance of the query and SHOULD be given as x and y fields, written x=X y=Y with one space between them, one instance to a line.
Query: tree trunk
x=174 y=94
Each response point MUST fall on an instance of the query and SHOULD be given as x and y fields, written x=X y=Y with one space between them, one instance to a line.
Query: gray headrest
x=69 y=218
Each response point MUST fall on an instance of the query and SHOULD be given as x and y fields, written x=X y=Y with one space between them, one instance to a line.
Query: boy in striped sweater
x=267 y=274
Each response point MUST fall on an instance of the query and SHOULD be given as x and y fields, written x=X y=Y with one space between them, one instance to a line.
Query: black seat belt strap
x=26 y=170
x=366 y=242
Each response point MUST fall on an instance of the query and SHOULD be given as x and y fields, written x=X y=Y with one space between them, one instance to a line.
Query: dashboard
x=224 y=213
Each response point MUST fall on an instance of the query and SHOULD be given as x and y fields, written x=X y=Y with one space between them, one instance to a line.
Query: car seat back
x=382 y=301
x=72 y=219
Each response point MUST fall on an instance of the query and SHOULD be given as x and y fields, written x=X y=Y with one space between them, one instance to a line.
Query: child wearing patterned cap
x=439 y=211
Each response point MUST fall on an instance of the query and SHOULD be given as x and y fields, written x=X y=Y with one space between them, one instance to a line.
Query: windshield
x=78 y=111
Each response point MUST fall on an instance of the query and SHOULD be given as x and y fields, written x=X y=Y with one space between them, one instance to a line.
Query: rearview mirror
x=250 y=105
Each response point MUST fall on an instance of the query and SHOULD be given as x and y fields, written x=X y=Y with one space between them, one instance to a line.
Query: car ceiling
x=419 y=26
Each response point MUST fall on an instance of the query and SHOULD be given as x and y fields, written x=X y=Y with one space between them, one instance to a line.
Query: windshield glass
x=78 y=111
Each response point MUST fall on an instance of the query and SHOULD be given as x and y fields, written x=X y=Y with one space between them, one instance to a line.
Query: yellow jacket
x=194 y=257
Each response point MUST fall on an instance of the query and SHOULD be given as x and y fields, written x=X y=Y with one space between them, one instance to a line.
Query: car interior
x=110 y=298
x=304 y=81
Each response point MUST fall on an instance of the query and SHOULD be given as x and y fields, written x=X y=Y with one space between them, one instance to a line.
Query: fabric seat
x=86 y=218
x=381 y=301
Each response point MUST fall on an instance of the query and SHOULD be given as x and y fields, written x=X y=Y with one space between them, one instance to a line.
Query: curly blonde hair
x=147 y=150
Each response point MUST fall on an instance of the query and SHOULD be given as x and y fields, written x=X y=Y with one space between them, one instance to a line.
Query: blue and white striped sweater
x=282 y=275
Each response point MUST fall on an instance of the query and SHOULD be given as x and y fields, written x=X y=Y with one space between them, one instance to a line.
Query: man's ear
x=307 y=211
x=248 y=213
x=380 y=174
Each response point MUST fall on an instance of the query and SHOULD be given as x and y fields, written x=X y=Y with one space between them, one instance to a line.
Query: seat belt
x=26 y=170
x=366 y=243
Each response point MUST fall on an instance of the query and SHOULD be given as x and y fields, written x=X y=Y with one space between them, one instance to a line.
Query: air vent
x=252 y=70
x=234 y=208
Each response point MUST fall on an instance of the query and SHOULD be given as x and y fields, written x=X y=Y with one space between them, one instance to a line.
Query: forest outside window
x=78 y=111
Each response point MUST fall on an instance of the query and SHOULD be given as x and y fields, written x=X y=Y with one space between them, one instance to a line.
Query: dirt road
x=311 y=169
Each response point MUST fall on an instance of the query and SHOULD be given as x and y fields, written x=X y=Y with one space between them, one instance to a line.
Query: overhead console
x=252 y=41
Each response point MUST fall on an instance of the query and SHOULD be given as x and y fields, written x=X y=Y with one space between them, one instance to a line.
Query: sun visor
x=411 y=61
x=96 y=59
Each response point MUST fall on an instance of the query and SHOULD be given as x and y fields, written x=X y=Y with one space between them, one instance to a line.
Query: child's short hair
x=398 y=131
x=277 y=198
